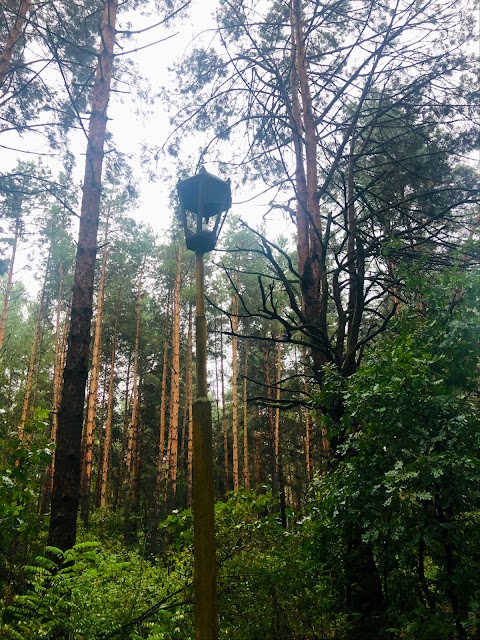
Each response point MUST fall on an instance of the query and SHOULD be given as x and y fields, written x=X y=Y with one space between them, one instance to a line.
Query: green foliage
x=93 y=592
x=20 y=524
x=268 y=585
x=408 y=476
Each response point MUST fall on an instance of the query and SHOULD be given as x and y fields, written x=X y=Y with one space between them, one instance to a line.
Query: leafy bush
x=90 y=592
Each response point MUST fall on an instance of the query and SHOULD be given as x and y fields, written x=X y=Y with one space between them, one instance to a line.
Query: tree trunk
x=189 y=396
x=224 y=414
x=246 y=464
x=66 y=482
x=257 y=458
x=133 y=447
x=133 y=428
x=311 y=255
x=13 y=36
x=161 y=439
x=277 y=452
x=33 y=355
x=309 y=466
x=58 y=365
x=107 y=443
x=234 y=321
x=278 y=393
x=93 y=392
x=9 y=284
x=122 y=470
x=270 y=418
x=308 y=447
x=175 y=379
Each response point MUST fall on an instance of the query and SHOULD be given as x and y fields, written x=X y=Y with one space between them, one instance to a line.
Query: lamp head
x=203 y=197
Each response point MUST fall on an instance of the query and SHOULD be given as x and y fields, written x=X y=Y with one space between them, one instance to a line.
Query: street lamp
x=204 y=202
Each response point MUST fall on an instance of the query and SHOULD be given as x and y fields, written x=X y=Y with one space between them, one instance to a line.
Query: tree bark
x=161 y=437
x=224 y=415
x=66 y=483
x=311 y=255
x=189 y=396
x=13 y=37
x=122 y=470
x=270 y=418
x=107 y=443
x=58 y=365
x=93 y=392
x=175 y=379
x=246 y=464
x=234 y=321
x=277 y=443
x=134 y=424
x=33 y=355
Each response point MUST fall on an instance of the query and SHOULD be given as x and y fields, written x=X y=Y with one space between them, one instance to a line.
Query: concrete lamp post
x=204 y=201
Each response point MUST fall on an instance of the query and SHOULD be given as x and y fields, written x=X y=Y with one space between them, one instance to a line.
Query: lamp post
x=204 y=201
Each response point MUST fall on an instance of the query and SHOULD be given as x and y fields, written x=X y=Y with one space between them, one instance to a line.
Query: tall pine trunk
x=14 y=35
x=133 y=426
x=189 y=396
x=246 y=463
x=93 y=392
x=311 y=255
x=175 y=380
x=224 y=414
x=133 y=444
x=234 y=321
x=66 y=482
x=270 y=416
x=277 y=441
x=107 y=442
x=33 y=355
x=58 y=364
x=122 y=469
x=162 y=421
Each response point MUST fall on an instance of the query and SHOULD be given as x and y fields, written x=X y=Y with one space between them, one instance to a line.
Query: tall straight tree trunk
x=278 y=393
x=9 y=284
x=270 y=417
x=175 y=378
x=308 y=447
x=161 y=439
x=133 y=427
x=66 y=482
x=122 y=470
x=93 y=391
x=58 y=364
x=224 y=414
x=33 y=355
x=133 y=445
x=277 y=451
x=246 y=463
x=311 y=255
x=234 y=321
x=107 y=443
x=13 y=37
x=101 y=438
x=189 y=396
x=257 y=458
x=160 y=466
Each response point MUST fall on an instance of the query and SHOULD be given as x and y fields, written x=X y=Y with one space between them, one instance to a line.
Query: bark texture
x=66 y=482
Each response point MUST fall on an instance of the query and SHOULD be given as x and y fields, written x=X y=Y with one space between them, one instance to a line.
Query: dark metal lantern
x=204 y=201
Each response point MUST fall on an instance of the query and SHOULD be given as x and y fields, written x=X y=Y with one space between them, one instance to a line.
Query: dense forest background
x=343 y=353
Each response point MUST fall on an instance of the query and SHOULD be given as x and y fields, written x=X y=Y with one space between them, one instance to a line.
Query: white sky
x=131 y=132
